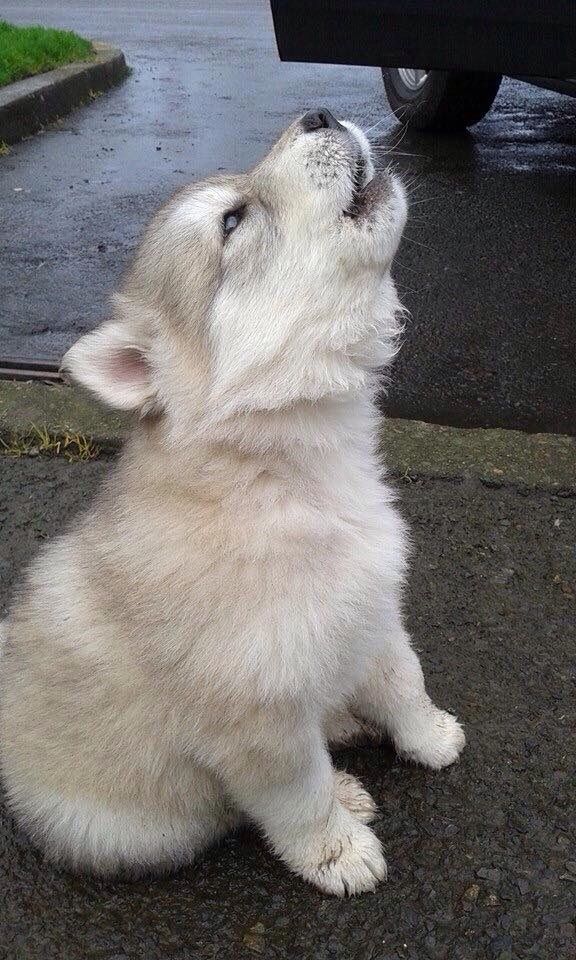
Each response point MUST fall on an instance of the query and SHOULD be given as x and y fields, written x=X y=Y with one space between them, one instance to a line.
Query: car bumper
x=536 y=37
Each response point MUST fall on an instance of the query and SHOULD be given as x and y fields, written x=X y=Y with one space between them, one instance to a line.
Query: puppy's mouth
x=360 y=183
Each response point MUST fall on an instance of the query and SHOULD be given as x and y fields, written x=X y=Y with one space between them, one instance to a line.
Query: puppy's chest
x=332 y=560
x=284 y=595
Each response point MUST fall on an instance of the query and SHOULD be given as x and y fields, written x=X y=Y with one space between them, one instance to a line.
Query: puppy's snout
x=319 y=119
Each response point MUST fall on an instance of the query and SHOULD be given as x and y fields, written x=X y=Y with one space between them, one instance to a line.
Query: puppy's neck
x=219 y=459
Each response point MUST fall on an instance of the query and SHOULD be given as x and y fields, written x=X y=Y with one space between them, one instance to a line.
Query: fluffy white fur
x=181 y=657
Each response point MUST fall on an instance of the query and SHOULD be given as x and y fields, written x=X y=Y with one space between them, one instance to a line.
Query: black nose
x=317 y=119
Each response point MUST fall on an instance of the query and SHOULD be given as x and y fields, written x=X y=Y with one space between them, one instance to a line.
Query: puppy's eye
x=231 y=220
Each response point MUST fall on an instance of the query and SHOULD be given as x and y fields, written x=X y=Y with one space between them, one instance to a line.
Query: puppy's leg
x=394 y=697
x=343 y=729
x=278 y=771
x=109 y=835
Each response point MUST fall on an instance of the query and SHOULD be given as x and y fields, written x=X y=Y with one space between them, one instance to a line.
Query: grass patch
x=40 y=442
x=25 y=51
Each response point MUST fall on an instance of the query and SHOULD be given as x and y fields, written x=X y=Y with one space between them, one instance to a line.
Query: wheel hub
x=412 y=78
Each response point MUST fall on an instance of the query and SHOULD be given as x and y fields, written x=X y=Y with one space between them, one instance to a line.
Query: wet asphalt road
x=487 y=264
x=482 y=856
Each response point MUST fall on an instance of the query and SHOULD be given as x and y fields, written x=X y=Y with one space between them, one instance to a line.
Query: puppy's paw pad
x=350 y=864
x=354 y=797
x=437 y=741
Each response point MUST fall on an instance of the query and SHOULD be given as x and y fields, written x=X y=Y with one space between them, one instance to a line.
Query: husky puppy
x=230 y=605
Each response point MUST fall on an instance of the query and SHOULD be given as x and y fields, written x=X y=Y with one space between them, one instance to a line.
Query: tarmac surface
x=487 y=264
x=482 y=856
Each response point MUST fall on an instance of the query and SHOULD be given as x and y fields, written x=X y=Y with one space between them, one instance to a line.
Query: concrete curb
x=415 y=449
x=410 y=448
x=28 y=105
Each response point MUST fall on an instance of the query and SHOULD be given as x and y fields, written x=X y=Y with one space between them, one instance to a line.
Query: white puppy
x=181 y=657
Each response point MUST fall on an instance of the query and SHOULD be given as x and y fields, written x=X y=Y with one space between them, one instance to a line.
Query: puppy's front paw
x=349 y=860
x=354 y=797
x=432 y=737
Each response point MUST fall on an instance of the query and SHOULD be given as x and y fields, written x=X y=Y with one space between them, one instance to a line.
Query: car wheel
x=438 y=99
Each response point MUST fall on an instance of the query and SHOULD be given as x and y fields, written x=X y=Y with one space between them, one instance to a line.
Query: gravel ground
x=482 y=856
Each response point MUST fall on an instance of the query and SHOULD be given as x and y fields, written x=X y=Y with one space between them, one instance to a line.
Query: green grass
x=38 y=441
x=25 y=51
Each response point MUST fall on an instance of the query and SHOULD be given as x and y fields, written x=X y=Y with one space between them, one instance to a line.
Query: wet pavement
x=487 y=264
x=482 y=856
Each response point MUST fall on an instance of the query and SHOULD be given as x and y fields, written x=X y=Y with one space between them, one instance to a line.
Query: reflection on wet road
x=487 y=264
x=487 y=269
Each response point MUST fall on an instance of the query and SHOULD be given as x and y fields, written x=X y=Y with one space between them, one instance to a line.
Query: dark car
x=442 y=62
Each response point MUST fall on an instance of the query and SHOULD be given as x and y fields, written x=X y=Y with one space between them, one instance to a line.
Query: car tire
x=438 y=99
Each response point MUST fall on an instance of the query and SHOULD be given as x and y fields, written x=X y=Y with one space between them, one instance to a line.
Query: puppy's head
x=257 y=290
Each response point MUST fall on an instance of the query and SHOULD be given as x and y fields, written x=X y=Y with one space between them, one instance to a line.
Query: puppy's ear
x=112 y=362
